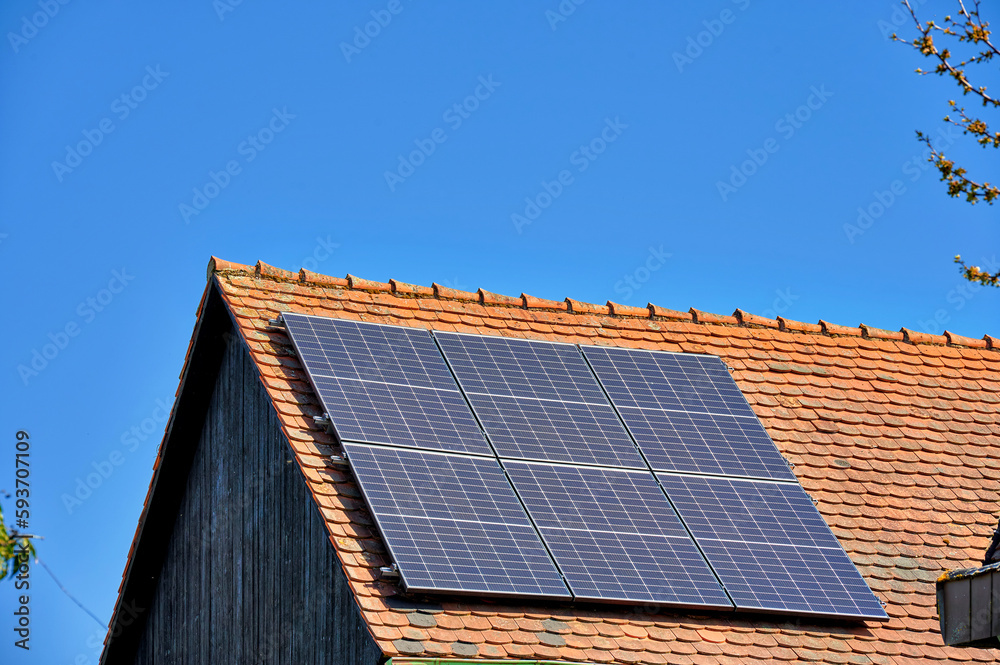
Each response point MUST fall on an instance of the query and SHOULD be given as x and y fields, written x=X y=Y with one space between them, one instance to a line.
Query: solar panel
x=615 y=536
x=771 y=547
x=673 y=381
x=687 y=413
x=538 y=400
x=384 y=384
x=452 y=523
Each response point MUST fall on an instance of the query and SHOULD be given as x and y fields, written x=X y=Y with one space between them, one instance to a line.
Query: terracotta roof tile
x=914 y=337
x=705 y=317
x=894 y=433
x=671 y=314
x=834 y=329
x=531 y=302
x=878 y=333
x=625 y=310
x=747 y=319
x=453 y=294
x=367 y=284
x=264 y=270
x=310 y=277
x=958 y=340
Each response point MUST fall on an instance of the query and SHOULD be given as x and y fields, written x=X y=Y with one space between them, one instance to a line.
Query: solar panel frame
x=615 y=536
x=536 y=413
x=769 y=545
x=453 y=523
x=385 y=384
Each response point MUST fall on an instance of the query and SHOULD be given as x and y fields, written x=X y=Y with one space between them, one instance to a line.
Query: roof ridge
x=739 y=318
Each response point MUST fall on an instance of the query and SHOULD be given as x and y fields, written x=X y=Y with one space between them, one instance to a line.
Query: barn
x=262 y=539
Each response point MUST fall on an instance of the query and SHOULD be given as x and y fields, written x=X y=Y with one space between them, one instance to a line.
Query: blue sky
x=731 y=145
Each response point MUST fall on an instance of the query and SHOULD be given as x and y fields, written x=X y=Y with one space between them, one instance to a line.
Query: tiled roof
x=895 y=434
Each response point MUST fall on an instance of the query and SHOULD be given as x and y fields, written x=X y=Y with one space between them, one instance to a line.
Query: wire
x=68 y=594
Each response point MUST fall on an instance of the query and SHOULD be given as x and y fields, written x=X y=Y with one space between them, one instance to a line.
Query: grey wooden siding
x=249 y=575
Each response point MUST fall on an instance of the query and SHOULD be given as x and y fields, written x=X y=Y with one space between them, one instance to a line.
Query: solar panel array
x=526 y=468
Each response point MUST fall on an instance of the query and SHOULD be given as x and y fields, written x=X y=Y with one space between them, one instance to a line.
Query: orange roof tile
x=894 y=434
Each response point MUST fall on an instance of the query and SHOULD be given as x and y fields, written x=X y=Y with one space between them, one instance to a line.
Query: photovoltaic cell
x=615 y=536
x=384 y=384
x=687 y=413
x=538 y=400
x=771 y=547
x=453 y=523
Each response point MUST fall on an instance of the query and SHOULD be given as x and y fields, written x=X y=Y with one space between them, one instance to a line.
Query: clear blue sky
x=631 y=140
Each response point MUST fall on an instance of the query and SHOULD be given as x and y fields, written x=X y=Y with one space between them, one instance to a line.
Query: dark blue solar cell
x=385 y=384
x=453 y=523
x=671 y=381
x=614 y=535
x=770 y=546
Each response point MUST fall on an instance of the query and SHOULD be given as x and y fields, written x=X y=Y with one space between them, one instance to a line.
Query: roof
x=894 y=434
